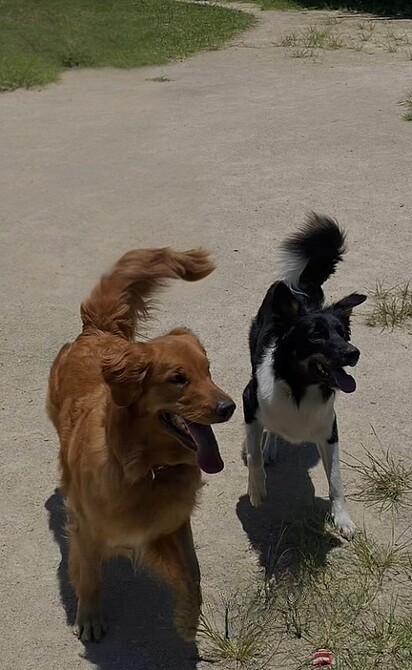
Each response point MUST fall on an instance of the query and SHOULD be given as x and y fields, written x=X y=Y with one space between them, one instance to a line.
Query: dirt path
x=229 y=152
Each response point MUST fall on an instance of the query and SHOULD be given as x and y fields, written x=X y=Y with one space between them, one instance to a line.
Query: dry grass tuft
x=392 y=307
x=305 y=43
x=407 y=103
x=236 y=630
x=367 y=36
x=383 y=480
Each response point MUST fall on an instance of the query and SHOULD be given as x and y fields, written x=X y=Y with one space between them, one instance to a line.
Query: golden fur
x=130 y=485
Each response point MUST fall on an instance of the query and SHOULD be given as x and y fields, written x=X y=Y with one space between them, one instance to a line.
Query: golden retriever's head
x=169 y=379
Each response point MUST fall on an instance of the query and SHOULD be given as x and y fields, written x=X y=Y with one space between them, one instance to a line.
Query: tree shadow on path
x=397 y=9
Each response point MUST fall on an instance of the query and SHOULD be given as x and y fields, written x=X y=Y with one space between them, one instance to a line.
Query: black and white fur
x=298 y=349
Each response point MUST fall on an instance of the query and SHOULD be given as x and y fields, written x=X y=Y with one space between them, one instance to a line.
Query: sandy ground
x=230 y=154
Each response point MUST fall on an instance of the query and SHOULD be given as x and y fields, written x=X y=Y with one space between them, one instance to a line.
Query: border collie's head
x=313 y=344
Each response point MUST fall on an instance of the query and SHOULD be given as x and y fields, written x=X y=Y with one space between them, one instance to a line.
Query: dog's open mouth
x=336 y=378
x=198 y=438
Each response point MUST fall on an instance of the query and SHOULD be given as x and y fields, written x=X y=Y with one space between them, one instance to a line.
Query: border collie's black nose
x=352 y=356
x=225 y=409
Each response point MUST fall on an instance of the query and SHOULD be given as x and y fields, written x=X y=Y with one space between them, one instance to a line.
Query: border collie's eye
x=316 y=336
x=179 y=379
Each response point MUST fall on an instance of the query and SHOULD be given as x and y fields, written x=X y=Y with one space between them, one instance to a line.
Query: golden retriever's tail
x=122 y=297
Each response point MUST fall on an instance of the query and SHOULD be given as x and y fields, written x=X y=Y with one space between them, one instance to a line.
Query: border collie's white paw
x=343 y=522
x=257 y=487
x=270 y=449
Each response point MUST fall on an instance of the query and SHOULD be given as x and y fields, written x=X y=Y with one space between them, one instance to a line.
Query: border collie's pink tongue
x=208 y=455
x=345 y=382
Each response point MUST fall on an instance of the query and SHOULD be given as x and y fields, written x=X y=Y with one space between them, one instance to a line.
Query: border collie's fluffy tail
x=122 y=297
x=310 y=255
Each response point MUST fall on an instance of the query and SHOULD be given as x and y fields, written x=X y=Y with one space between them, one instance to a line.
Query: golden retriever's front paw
x=89 y=626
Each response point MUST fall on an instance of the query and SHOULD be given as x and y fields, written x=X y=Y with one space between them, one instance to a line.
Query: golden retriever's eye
x=179 y=379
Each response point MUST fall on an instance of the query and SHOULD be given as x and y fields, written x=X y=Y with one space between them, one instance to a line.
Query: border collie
x=299 y=348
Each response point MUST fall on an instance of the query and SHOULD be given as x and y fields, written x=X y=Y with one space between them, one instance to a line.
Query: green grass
x=39 y=39
x=391 y=306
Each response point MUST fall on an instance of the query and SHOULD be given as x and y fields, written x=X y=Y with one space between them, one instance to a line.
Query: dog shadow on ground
x=290 y=525
x=137 y=609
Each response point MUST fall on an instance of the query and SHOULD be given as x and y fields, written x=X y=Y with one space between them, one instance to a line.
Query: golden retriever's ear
x=188 y=333
x=124 y=372
x=181 y=331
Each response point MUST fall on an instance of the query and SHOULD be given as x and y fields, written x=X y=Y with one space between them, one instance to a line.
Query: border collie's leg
x=254 y=432
x=270 y=448
x=329 y=453
x=257 y=477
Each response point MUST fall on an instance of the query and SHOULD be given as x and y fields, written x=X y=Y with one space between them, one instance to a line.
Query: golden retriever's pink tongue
x=208 y=455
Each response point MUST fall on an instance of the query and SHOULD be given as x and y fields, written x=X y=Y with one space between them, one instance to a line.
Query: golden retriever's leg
x=174 y=559
x=85 y=559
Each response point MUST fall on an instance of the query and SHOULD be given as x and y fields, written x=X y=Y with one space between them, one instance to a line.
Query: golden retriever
x=133 y=420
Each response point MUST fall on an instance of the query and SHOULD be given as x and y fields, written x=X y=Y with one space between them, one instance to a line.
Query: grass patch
x=304 y=43
x=301 y=52
x=329 y=34
x=315 y=37
x=384 y=481
x=381 y=561
x=407 y=103
x=40 y=39
x=25 y=71
x=392 y=307
x=357 y=603
x=366 y=30
x=391 y=46
x=317 y=593
x=161 y=79
x=236 y=630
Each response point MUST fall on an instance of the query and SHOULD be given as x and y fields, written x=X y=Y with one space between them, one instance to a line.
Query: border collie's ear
x=347 y=304
x=124 y=373
x=284 y=303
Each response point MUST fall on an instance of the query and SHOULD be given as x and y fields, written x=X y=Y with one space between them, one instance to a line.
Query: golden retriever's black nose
x=225 y=409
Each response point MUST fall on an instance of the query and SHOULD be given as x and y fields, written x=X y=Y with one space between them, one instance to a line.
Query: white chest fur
x=311 y=421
